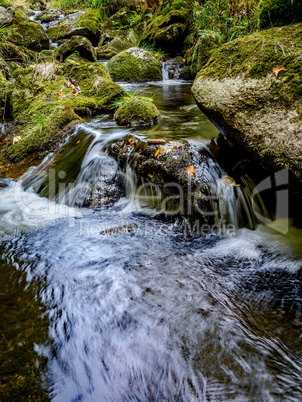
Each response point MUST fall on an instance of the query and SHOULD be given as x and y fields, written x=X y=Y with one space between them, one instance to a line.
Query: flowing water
x=151 y=313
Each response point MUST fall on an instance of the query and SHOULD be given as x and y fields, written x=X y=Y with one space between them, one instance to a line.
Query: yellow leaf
x=158 y=152
x=150 y=175
x=229 y=180
x=78 y=142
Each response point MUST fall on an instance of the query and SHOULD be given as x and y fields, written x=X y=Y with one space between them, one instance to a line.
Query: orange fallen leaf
x=78 y=142
x=191 y=171
x=277 y=70
x=75 y=94
x=184 y=60
x=61 y=94
x=158 y=152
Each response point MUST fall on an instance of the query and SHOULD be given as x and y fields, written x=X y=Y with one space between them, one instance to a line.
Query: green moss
x=45 y=106
x=136 y=111
x=186 y=74
x=91 y=19
x=207 y=43
x=76 y=44
x=24 y=32
x=114 y=47
x=134 y=65
x=279 y=12
x=168 y=28
x=255 y=56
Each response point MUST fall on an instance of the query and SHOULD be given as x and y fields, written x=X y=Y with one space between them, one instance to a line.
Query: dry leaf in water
x=191 y=171
x=229 y=180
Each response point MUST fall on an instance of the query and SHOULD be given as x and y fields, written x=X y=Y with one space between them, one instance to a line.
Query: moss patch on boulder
x=136 y=111
x=24 y=32
x=76 y=44
x=114 y=47
x=48 y=99
x=135 y=65
x=207 y=43
x=279 y=12
x=82 y=23
x=252 y=89
x=168 y=29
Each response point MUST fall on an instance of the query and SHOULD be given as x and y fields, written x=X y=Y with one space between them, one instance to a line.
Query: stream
x=152 y=313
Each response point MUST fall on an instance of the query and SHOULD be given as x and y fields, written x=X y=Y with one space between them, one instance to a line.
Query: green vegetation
x=56 y=95
x=135 y=110
x=279 y=12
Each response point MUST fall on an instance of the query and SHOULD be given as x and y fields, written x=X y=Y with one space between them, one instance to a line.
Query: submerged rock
x=136 y=111
x=76 y=44
x=175 y=171
x=251 y=88
x=135 y=65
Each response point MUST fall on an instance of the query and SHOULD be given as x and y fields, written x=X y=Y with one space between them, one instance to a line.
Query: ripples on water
x=152 y=314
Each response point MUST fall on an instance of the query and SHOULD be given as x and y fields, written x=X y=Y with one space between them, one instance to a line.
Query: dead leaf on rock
x=157 y=142
x=277 y=70
x=191 y=171
x=158 y=152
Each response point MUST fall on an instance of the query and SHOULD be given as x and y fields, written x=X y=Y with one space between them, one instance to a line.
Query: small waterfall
x=165 y=71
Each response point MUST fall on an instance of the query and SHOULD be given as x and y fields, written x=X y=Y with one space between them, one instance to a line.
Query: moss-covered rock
x=24 y=32
x=207 y=43
x=135 y=65
x=120 y=19
x=49 y=16
x=113 y=47
x=186 y=74
x=136 y=111
x=252 y=89
x=48 y=99
x=76 y=44
x=279 y=12
x=168 y=29
x=165 y=163
x=81 y=23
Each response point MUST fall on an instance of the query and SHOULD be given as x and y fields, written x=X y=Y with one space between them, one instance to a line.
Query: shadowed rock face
x=174 y=170
x=79 y=44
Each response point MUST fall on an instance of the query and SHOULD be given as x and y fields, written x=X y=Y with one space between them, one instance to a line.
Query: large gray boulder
x=251 y=88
